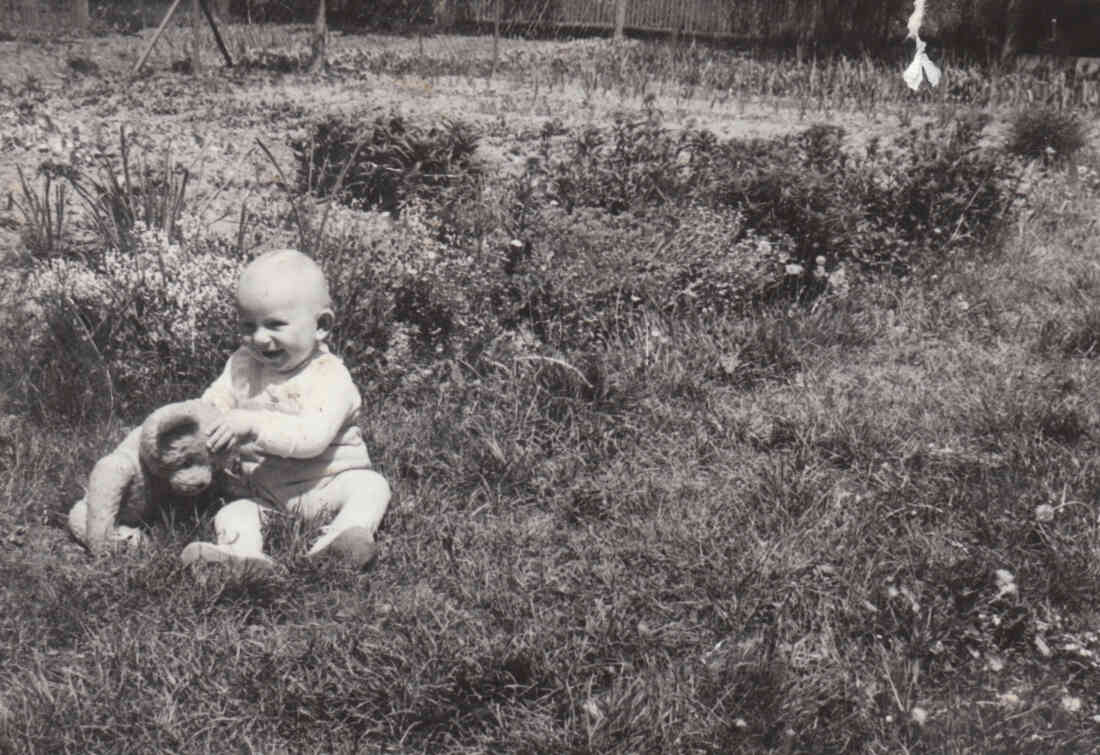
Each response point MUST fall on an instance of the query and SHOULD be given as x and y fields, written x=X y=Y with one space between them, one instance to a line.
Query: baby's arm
x=330 y=400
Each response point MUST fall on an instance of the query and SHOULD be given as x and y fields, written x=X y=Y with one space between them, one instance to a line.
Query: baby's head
x=284 y=308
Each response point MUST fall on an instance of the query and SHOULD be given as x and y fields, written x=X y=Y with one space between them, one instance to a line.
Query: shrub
x=933 y=191
x=930 y=190
x=1046 y=133
x=401 y=295
x=578 y=277
x=388 y=161
x=128 y=332
x=637 y=163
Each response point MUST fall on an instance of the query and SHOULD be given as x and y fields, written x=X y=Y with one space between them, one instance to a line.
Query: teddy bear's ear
x=171 y=431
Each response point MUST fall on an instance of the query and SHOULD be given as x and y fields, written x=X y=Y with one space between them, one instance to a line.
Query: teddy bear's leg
x=359 y=498
x=238 y=528
x=78 y=521
x=131 y=537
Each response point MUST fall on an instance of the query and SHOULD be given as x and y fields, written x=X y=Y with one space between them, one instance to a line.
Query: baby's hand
x=231 y=430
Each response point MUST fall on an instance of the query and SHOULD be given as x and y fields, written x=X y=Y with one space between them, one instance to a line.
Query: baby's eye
x=274 y=324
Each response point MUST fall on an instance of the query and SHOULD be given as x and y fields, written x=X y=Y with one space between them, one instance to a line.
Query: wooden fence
x=702 y=17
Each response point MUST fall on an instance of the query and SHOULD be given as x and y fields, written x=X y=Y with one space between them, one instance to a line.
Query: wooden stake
x=156 y=36
x=217 y=34
x=320 y=37
x=196 y=37
x=496 y=38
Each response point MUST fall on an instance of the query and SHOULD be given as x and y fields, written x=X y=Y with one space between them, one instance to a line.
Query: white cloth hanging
x=922 y=66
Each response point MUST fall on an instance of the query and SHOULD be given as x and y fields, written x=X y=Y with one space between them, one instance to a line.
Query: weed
x=116 y=202
x=1049 y=134
x=43 y=212
x=384 y=164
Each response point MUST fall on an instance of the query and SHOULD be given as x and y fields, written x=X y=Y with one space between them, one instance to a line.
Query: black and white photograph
x=464 y=377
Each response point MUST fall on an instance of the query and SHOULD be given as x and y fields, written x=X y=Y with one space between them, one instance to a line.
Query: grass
x=799 y=530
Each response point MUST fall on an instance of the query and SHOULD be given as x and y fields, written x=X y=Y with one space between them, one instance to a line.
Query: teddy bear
x=159 y=470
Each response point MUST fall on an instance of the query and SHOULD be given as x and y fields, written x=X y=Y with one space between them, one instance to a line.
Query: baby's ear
x=325 y=320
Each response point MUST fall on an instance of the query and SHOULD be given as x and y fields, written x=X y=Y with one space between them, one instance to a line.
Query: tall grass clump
x=1046 y=133
x=44 y=211
x=386 y=162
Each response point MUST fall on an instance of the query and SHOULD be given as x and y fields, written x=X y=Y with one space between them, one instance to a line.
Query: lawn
x=730 y=405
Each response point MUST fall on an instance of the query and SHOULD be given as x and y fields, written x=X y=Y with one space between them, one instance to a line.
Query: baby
x=290 y=409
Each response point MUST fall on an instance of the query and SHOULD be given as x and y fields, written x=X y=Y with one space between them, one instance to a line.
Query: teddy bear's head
x=173 y=446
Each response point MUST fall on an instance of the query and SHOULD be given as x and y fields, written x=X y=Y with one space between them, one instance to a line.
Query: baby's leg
x=358 y=498
x=238 y=529
x=129 y=537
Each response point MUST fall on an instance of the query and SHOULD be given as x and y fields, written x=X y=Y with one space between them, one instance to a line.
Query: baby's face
x=279 y=319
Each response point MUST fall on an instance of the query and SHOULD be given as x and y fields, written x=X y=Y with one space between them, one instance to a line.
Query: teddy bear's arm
x=108 y=484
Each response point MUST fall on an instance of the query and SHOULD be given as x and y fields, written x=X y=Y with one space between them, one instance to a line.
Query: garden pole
x=155 y=37
x=496 y=38
x=620 y=18
x=217 y=35
x=320 y=37
x=196 y=36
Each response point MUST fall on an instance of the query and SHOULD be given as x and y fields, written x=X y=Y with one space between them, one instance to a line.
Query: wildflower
x=1071 y=704
x=919 y=715
x=1044 y=512
x=1006 y=583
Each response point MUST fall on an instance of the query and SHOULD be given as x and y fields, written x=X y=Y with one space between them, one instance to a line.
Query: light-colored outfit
x=308 y=456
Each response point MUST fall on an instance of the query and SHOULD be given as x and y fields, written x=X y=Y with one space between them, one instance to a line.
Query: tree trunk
x=81 y=16
x=320 y=38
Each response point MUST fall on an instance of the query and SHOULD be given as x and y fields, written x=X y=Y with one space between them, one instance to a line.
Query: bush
x=636 y=163
x=131 y=331
x=1046 y=133
x=578 y=277
x=387 y=162
x=930 y=191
